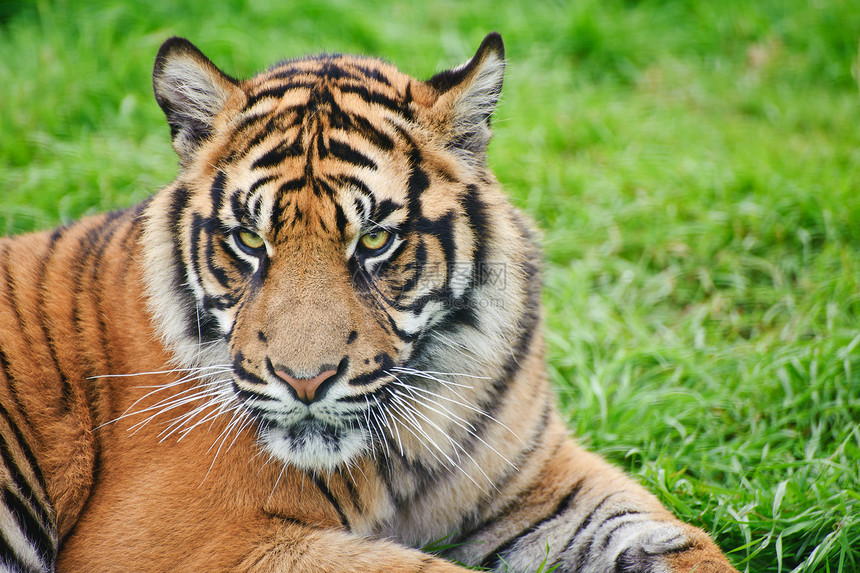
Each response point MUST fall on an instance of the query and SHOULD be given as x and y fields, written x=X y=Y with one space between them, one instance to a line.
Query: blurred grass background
x=695 y=166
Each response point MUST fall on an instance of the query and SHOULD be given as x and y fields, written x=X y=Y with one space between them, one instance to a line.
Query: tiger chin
x=318 y=349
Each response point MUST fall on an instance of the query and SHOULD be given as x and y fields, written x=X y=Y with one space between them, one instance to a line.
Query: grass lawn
x=695 y=167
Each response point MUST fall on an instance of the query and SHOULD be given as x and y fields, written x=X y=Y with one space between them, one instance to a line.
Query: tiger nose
x=306 y=388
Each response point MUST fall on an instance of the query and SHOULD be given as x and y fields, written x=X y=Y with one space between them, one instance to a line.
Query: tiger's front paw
x=645 y=547
x=672 y=549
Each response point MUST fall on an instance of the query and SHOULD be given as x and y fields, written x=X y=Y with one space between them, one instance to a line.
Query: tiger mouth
x=311 y=427
x=313 y=443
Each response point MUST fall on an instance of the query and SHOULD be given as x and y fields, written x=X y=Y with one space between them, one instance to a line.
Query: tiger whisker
x=464 y=404
x=459 y=421
x=406 y=370
x=382 y=418
x=193 y=375
x=446 y=383
x=412 y=389
x=278 y=480
x=425 y=439
x=238 y=419
x=453 y=463
x=216 y=403
x=413 y=411
x=157 y=406
x=437 y=395
x=170 y=403
x=461 y=348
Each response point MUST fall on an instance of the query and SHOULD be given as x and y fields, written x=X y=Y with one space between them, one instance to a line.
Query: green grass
x=695 y=167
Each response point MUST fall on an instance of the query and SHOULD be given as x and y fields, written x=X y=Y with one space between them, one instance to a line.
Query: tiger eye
x=250 y=239
x=375 y=240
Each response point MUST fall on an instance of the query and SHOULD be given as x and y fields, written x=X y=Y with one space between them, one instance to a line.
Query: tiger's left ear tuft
x=467 y=97
x=191 y=91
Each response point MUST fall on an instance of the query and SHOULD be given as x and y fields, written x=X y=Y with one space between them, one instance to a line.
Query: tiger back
x=318 y=349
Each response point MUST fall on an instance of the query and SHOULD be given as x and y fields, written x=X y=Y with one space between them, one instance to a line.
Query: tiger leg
x=582 y=515
x=299 y=548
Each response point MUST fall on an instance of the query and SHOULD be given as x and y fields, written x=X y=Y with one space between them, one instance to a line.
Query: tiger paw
x=671 y=549
x=644 y=547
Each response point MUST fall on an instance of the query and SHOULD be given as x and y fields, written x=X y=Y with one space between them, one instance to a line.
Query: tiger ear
x=467 y=97
x=191 y=90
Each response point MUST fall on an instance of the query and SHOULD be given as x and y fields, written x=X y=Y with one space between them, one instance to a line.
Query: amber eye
x=249 y=241
x=375 y=240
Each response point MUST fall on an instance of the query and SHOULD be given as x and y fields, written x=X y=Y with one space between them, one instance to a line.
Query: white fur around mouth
x=314 y=445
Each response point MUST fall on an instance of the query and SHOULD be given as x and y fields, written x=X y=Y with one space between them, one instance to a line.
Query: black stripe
x=201 y=232
x=179 y=203
x=212 y=261
x=583 y=525
x=372 y=73
x=493 y=559
x=419 y=264
x=17 y=476
x=238 y=265
x=368 y=131
x=443 y=230
x=361 y=127
x=612 y=531
x=240 y=371
x=248 y=395
x=321 y=187
x=326 y=492
x=255 y=206
x=259 y=183
x=6 y=367
x=42 y=540
x=85 y=245
x=340 y=220
x=239 y=209
x=107 y=231
x=292 y=185
x=373 y=375
x=354 y=496
x=44 y=322
x=635 y=559
x=358 y=185
x=585 y=549
x=476 y=215
x=216 y=192
x=330 y=69
x=277 y=91
x=346 y=153
x=12 y=299
x=418 y=183
x=200 y=322
x=374 y=97
x=279 y=154
x=8 y=556
x=385 y=208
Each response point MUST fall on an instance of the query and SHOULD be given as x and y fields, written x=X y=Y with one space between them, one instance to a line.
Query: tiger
x=319 y=349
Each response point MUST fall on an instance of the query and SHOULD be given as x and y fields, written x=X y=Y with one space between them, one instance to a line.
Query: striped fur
x=317 y=350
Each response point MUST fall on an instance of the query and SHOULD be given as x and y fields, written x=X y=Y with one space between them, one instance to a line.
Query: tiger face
x=328 y=235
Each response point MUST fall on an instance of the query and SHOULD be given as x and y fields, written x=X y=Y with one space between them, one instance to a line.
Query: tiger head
x=333 y=242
